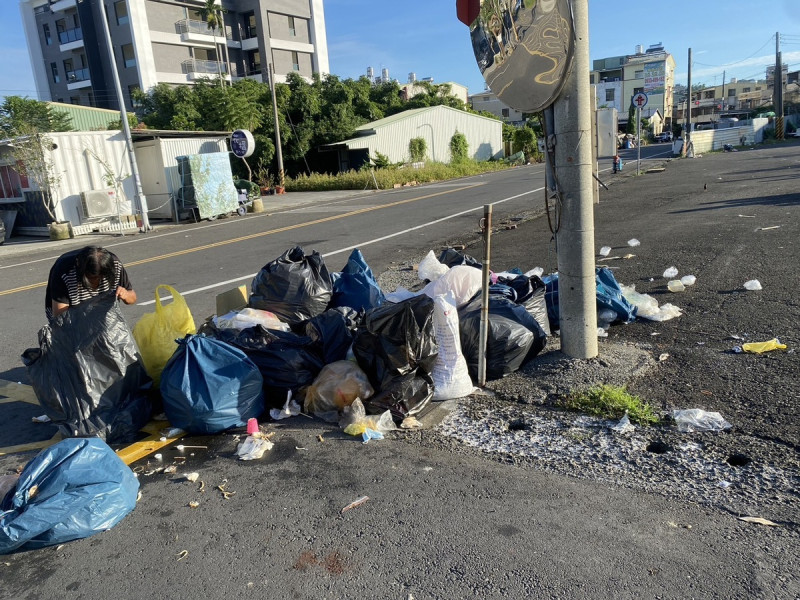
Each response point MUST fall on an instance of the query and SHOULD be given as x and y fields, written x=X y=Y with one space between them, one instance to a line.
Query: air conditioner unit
x=99 y=203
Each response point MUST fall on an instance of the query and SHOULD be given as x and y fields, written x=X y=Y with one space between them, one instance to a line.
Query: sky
x=734 y=37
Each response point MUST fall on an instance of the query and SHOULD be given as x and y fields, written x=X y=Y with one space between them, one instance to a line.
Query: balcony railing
x=211 y=67
x=78 y=75
x=70 y=35
x=198 y=27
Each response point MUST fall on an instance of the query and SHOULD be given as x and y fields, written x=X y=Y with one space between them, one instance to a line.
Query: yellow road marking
x=243 y=238
x=16 y=392
x=30 y=446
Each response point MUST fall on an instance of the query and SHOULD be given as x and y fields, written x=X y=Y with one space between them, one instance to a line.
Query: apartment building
x=167 y=41
x=711 y=103
x=487 y=100
x=617 y=78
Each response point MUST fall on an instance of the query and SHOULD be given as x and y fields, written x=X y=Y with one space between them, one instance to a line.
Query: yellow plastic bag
x=759 y=347
x=155 y=333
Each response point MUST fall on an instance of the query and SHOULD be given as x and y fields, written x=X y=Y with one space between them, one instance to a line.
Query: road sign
x=639 y=100
x=242 y=143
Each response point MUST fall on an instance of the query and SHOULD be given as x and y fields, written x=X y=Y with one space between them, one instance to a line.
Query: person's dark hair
x=93 y=261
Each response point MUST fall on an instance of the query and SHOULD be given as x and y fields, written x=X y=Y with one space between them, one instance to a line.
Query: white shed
x=435 y=124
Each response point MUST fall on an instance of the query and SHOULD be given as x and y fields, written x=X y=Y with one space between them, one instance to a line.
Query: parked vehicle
x=664 y=136
x=2 y=232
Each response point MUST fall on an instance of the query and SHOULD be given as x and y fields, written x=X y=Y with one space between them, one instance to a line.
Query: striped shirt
x=64 y=285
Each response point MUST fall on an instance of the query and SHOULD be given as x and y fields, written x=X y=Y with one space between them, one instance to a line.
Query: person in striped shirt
x=82 y=274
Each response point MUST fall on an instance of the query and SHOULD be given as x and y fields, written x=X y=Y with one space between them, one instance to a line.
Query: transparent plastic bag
x=249 y=317
x=337 y=386
x=696 y=419
x=430 y=268
x=355 y=420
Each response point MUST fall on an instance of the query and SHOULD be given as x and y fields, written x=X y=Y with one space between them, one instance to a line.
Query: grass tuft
x=611 y=402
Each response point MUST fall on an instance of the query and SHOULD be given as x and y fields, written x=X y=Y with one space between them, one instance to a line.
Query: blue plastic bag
x=609 y=296
x=209 y=386
x=71 y=490
x=356 y=286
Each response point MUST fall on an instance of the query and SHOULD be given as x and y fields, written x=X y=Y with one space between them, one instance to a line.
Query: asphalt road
x=441 y=521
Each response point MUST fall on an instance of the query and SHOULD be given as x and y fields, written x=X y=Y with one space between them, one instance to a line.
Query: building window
x=745 y=90
x=731 y=92
x=253 y=62
x=295 y=62
x=638 y=74
x=48 y=39
x=610 y=95
x=292 y=29
x=74 y=100
x=121 y=10
x=505 y=112
x=128 y=56
x=251 y=27
x=54 y=71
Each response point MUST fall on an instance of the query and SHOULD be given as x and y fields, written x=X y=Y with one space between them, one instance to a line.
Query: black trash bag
x=396 y=347
x=530 y=293
x=333 y=332
x=295 y=286
x=287 y=361
x=356 y=286
x=514 y=336
x=88 y=375
x=452 y=257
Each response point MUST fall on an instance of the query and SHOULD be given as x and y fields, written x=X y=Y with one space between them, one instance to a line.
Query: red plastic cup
x=252 y=426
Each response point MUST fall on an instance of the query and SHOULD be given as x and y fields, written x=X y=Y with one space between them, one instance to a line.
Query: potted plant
x=262 y=177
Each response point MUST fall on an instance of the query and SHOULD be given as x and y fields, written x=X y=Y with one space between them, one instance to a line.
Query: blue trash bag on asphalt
x=71 y=490
x=209 y=386
x=609 y=296
x=355 y=286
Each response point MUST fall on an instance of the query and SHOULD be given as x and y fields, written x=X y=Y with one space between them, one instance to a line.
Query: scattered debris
x=253 y=448
x=633 y=242
x=182 y=554
x=605 y=251
x=753 y=285
x=624 y=425
x=696 y=419
x=760 y=347
x=225 y=493
x=171 y=469
x=768 y=228
x=290 y=408
x=194 y=504
x=320 y=438
x=410 y=423
x=759 y=521
x=192 y=476
x=355 y=503
x=663 y=357
x=181 y=447
x=41 y=419
x=671 y=273
x=748 y=216
x=724 y=484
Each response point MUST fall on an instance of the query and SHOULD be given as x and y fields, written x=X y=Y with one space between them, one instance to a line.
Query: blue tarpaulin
x=71 y=490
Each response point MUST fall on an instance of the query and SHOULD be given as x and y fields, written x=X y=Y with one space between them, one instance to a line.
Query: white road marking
x=340 y=251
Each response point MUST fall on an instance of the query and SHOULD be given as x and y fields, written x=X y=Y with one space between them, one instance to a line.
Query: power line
x=770 y=40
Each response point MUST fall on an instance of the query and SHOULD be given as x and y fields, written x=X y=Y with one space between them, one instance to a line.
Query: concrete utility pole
x=140 y=202
x=777 y=94
x=687 y=135
x=278 y=150
x=573 y=165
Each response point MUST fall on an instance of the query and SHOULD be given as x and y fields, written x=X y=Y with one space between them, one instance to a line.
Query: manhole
x=658 y=447
x=517 y=425
x=739 y=460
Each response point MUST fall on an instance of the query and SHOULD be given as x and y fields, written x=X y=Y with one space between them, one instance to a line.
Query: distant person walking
x=82 y=274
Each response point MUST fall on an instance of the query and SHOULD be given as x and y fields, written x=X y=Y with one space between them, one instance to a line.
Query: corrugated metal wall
x=84 y=161
x=173 y=147
x=436 y=127
x=85 y=118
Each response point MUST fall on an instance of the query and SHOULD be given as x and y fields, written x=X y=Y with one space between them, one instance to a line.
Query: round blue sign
x=242 y=143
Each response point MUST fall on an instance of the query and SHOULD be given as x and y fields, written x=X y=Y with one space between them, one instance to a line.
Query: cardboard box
x=235 y=299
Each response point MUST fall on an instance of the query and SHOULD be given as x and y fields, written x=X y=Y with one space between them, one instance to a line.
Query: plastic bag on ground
x=514 y=337
x=647 y=307
x=696 y=419
x=608 y=294
x=450 y=373
x=287 y=361
x=71 y=490
x=333 y=332
x=294 y=286
x=87 y=373
x=209 y=386
x=452 y=257
x=337 y=386
x=530 y=290
x=248 y=317
x=356 y=286
x=156 y=332
x=396 y=347
x=355 y=421
x=760 y=347
x=430 y=268
x=463 y=281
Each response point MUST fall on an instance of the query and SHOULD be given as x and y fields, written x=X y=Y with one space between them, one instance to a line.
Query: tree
x=22 y=116
x=213 y=16
x=31 y=150
x=459 y=148
x=525 y=140
x=417 y=148
x=631 y=126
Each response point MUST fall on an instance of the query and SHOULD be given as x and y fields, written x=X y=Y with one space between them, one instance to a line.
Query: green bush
x=612 y=402
x=388 y=177
x=417 y=148
x=459 y=148
x=381 y=160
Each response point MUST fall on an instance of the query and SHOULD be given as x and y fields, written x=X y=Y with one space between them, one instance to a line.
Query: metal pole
x=687 y=136
x=483 y=332
x=278 y=150
x=573 y=167
x=139 y=200
x=638 y=139
x=777 y=94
